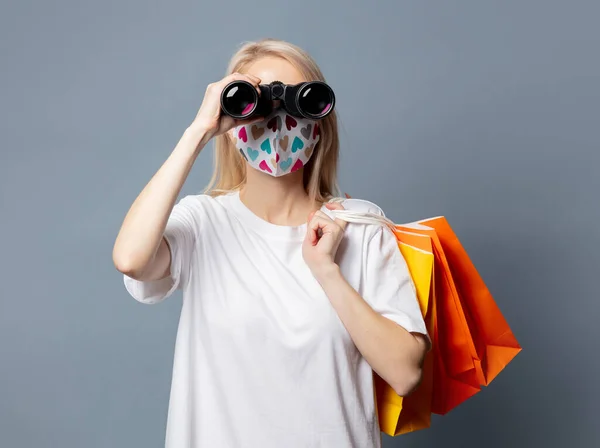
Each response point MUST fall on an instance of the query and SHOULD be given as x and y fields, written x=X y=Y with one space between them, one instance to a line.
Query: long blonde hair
x=320 y=173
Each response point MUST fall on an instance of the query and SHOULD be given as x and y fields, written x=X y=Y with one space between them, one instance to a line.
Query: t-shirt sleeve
x=388 y=286
x=180 y=235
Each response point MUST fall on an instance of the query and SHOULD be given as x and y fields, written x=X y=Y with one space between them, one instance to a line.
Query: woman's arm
x=140 y=251
x=396 y=354
x=386 y=324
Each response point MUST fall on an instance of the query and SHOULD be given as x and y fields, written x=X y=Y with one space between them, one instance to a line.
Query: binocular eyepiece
x=313 y=100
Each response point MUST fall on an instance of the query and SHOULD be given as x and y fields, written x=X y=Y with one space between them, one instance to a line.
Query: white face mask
x=278 y=145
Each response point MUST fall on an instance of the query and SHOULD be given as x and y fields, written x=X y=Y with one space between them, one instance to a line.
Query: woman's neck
x=278 y=200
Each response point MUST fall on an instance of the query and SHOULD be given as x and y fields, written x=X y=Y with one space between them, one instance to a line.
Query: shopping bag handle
x=361 y=217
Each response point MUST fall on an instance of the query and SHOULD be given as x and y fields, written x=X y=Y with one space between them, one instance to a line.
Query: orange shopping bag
x=471 y=340
x=458 y=373
x=495 y=343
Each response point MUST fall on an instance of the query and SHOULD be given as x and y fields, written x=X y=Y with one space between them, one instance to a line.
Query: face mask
x=279 y=145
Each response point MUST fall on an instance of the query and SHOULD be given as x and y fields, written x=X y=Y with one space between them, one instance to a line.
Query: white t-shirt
x=262 y=359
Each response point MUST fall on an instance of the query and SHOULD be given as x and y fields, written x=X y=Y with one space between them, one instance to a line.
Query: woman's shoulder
x=201 y=203
x=362 y=206
x=206 y=204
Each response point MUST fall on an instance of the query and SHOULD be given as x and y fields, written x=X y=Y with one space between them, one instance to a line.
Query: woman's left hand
x=323 y=237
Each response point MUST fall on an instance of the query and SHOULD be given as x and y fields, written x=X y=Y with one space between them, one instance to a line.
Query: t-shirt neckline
x=263 y=227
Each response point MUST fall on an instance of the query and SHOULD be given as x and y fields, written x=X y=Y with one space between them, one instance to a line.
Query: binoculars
x=313 y=100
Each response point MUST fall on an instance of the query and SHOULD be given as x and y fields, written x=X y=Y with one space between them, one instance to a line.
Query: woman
x=286 y=309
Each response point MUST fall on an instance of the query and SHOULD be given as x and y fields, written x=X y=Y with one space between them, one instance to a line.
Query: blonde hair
x=320 y=173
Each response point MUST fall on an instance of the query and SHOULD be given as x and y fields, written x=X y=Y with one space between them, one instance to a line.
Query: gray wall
x=486 y=112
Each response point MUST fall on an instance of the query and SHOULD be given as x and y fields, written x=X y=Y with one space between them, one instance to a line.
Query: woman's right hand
x=210 y=118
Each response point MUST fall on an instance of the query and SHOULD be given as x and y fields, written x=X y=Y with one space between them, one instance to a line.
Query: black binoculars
x=313 y=100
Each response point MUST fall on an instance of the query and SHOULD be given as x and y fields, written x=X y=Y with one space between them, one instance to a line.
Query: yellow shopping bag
x=398 y=415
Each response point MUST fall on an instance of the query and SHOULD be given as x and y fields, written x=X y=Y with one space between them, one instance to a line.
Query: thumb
x=249 y=121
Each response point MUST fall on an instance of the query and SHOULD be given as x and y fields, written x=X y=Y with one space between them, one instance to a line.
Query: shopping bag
x=495 y=343
x=396 y=414
x=458 y=373
x=471 y=340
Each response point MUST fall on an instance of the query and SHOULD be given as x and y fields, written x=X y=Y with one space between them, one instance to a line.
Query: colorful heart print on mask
x=278 y=145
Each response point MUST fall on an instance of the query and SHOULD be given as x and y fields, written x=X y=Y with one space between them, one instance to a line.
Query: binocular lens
x=240 y=99
x=315 y=99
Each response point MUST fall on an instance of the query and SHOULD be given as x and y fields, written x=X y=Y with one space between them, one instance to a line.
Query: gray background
x=486 y=112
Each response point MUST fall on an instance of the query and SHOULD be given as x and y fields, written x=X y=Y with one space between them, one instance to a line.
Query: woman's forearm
x=391 y=351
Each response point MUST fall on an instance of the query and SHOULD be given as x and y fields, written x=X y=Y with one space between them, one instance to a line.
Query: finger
x=337 y=206
x=235 y=76
x=313 y=228
x=312 y=235
x=255 y=78
x=323 y=222
x=243 y=77
x=337 y=222
x=248 y=121
x=334 y=206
